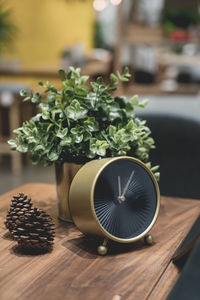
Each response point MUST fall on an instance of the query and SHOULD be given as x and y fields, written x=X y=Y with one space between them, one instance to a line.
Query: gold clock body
x=81 y=199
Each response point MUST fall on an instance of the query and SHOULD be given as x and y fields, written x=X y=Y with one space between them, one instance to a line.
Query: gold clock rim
x=105 y=232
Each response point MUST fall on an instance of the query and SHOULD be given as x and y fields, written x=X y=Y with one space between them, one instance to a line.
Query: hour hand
x=120 y=198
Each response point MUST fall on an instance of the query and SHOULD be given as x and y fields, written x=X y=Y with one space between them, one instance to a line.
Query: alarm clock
x=115 y=198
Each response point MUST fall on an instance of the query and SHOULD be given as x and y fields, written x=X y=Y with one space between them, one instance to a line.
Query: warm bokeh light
x=115 y=2
x=99 y=5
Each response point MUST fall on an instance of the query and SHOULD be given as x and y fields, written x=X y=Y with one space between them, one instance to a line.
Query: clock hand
x=119 y=186
x=127 y=184
x=120 y=198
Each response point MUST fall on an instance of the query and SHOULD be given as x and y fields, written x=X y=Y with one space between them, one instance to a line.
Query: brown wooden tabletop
x=73 y=270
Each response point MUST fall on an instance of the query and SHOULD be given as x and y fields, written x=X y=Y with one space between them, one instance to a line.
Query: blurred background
x=159 y=40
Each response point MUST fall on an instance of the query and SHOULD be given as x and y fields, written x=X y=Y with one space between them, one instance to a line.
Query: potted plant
x=81 y=122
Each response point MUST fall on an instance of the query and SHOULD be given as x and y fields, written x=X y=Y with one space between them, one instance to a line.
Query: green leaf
x=112 y=89
x=35 y=158
x=75 y=111
x=122 y=77
x=71 y=83
x=148 y=165
x=77 y=130
x=44 y=107
x=53 y=89
x=87 y=136
x=142 y=149
x=113 y=79
x=114 y=114
x=102 y=149
x=13 y=144
x=130 y=125
x=98 y=147
x=134 y=100
x=36 y=98
x=157 y=176
x=112 y=130
x=51 y=98
x=36 y=118
x=91 y=124
x=155 y=168
x=143 y=103
x=26 y=99
x=40 y=83
x=129 y=107
x=83 y=79
x=56 y=112
x=126 y=72
x=78 y=138
x=66 y=141
x=39 y=148
x=81 y=91
x=49 y=127
x=53 y=156
x=75 y=72
x=46 y=115
x=100 y=80
x=22 y=148
x=18 y=131
x=62 y=133
x=62 y=73
x=31 y=140
x=23 y=93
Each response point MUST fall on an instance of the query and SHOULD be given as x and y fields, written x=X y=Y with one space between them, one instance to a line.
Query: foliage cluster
x=80 y=122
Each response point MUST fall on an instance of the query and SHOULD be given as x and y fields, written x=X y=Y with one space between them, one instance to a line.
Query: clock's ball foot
x=148 y=239
x=102 y=250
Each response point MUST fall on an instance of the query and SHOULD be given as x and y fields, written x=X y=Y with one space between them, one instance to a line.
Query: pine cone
x=31 y=227
x=20 y=204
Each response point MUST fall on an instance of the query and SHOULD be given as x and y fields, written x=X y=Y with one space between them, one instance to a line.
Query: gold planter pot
x=64 y=175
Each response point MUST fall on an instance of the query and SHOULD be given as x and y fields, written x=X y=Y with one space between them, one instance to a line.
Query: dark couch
x=177 y=152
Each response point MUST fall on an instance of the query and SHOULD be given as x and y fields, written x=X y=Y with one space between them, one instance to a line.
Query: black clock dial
x=125 y=199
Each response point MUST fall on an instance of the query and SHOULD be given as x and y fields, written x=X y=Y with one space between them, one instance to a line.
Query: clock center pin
x=121 y=199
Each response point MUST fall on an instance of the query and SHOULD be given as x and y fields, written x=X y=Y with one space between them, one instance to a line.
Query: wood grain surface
x=73 y=270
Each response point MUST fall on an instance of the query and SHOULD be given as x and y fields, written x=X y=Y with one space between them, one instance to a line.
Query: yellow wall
x=46 y=26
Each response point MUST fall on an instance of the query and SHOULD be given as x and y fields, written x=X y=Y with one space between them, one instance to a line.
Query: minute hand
x=128 y=182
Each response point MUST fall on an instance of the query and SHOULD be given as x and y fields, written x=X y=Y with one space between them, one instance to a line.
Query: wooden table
x=73 y=270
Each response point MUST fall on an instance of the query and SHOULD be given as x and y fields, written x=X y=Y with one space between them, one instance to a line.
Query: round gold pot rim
x=105 y=232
